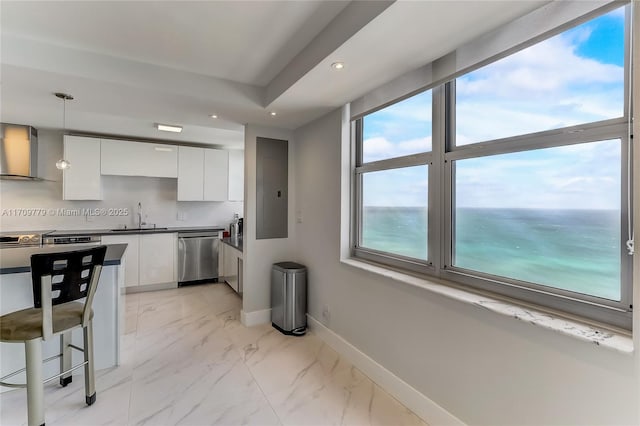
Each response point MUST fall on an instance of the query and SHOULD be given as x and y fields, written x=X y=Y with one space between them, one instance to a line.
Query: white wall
x=157 y=195
x=482 y=367
x=260 y=255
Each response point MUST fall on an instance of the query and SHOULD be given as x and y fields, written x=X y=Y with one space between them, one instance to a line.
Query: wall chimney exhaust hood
x=18 y=152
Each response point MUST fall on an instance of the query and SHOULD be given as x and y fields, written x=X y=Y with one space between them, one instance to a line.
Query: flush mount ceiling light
x=337 y=65
x=214 y=116
x=63 y=164
x=272 y=113
x=168 y=128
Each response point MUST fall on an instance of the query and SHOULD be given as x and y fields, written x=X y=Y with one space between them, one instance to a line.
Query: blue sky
x=575 y=77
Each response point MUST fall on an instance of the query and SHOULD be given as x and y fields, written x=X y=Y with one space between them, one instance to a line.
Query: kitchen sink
x=134 y=230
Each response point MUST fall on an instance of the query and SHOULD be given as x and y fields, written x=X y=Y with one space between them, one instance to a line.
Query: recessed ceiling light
x=214 y=116
x=168 y=128
x=337 y=65
x=273 y=113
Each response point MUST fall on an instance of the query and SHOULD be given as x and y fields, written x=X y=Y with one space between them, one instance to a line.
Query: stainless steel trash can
x=289 y=298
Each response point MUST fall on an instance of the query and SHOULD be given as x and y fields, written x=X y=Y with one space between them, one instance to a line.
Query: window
x=393 y=171
x=398 y=130
x=395 y=220
x=574 y=78
x=525 y=191
x=547 y=221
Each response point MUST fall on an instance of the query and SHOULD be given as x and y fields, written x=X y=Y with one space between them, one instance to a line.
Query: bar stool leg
x=35 y=387
x=65 y=360
x=89 y=376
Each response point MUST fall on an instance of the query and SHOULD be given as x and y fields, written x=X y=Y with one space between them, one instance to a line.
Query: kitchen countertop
x=235 y=242
x=18 y=260
x=128 y=231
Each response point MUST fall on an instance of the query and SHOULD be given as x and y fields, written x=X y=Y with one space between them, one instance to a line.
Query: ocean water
x=576 y=250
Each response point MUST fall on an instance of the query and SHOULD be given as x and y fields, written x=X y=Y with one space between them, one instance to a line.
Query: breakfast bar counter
x=18 y=260
x=16 y=293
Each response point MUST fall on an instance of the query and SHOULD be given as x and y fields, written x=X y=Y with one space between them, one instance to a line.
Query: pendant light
x=63 y=164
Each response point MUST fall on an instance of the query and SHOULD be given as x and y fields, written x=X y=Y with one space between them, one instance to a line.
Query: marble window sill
x=599 y=336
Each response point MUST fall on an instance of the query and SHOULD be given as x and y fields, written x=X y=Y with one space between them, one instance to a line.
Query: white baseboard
x=150 y=287
x=422 y=406
x=249 y=319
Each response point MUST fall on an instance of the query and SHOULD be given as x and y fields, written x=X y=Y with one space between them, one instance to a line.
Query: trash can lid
x=288 y=266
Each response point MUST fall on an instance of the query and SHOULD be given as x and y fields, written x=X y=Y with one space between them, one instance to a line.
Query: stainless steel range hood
x=18 y=152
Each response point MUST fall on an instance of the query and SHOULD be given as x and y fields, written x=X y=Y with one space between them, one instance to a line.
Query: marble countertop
x=235 y=242
x=74 y=232
x=599 y=336
x=18 y=260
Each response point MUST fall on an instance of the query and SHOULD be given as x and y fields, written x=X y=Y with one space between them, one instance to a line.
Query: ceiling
x=131 y=64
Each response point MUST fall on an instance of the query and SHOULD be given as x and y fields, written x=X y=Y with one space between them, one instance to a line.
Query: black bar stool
x=59 y=279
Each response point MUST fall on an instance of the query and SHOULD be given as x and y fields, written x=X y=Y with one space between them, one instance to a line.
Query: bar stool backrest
x=64 y=277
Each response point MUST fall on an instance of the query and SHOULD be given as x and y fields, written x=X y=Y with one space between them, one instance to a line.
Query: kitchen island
x=16 y=293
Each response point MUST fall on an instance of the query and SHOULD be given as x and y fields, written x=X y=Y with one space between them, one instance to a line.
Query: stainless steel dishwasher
x=198 y=257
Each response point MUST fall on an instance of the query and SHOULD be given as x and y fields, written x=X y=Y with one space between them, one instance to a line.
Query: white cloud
x=379 y=148
x=618 y=13
x=417 y=108
x=542 y=69
x=546 y=86
x=584 y=176
x=403 y=187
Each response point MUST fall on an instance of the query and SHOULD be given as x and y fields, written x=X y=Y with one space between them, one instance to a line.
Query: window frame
x=392 y=259
x=441 y=197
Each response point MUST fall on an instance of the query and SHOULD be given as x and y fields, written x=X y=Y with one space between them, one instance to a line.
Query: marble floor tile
x=131 y=305
x=187 y=360
x=201 y=393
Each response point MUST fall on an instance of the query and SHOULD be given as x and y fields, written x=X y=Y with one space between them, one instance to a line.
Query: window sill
x=600 y=336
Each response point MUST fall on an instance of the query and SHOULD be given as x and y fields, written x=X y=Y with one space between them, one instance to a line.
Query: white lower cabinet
x=131 y=256
x=149 y=258
x=232 y=262
x=158 y=258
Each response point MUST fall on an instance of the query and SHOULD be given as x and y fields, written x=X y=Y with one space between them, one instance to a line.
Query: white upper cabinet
x=82 y=181
x=202 y=174
x=236 y=175
x=216 y=174
x=125 y=158
x=190 y=173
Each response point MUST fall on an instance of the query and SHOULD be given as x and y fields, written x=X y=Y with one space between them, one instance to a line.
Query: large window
x=395 y=220
x=525 y=190
x=393 y=171
x=549 y=216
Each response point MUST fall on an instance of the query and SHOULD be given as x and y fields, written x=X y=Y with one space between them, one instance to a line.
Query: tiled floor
x=188 y=360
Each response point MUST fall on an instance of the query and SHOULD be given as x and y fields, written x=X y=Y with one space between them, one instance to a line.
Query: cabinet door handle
x=161 y=148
